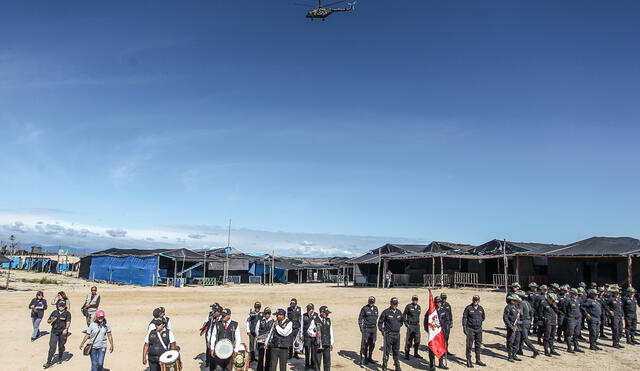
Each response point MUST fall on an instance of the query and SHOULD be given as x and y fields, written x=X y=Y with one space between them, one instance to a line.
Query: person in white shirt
x=207 y=327
x=157 y=342
x=322 y=330
x=159 y=313
x=279 y=341
x=262 y=330
x=254 y=316
x=225 y=329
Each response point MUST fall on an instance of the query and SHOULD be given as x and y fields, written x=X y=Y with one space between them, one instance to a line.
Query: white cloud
x=196 y=236
x=116 y=232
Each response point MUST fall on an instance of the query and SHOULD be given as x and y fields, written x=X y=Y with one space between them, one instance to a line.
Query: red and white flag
x=437 y=344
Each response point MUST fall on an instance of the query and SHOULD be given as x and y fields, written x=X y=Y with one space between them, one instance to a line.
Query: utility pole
x=225 y=280
x=504 y=258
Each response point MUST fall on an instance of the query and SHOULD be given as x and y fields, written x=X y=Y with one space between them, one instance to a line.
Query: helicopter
x=322 y=12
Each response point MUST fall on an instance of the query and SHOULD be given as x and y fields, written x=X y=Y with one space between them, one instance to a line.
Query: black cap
x=157 y=312
x=267 y=310
x=476 y=297
x=324 y=309
x=158 y=321
x=437 y=299
x=281 y=312
x=443 y=295
x=310 y=306
x=226 y=312
x=257 y=304
x=372 y=299
x=394 y=300
x=61 y=303
x=294 y=301
x=414 y=297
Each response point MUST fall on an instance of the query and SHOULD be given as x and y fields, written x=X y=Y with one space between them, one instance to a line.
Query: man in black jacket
x=367 y=324
x=411 y=318
x=389 y=324
x=309 y=341
x=157 y=342
x=322 y=331
x=548 y=313
x=472 y=319
x=60 y=321
x=294 y=314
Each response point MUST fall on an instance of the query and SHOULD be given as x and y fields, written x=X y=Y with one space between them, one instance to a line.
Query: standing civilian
x=37 y=305
x=98 y=332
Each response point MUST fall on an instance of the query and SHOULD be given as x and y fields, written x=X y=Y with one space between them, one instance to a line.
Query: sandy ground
x=129 y=312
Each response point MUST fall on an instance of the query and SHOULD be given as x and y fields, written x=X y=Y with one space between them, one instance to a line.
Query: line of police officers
x=558 y=312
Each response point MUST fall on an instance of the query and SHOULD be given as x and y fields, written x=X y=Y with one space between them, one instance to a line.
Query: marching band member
x=321 y=329
x=279 y=340
x=225 y=329
x=254 y=316
x=262 y=330
x=309 y=341
x=158 y=341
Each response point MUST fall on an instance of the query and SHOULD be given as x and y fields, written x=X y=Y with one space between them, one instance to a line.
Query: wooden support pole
x=175 y=271
x=506 y=265
x=629 y=272
x=433 y=271
x=384 y=272
x=354 y=275
x=441 y=272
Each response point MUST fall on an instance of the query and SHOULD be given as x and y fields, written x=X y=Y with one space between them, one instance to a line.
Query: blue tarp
x=63 y=267
x=37 y=264
x=16 y=263
x=256 y=269
x=130 y=270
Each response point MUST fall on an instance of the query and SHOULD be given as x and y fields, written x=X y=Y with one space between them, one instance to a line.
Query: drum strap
x=162 y=342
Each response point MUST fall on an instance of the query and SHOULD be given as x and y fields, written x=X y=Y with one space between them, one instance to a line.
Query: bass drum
x=224 y=348
x=170 y=361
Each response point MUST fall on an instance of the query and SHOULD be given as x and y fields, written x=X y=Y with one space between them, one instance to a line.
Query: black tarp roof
x=599 y=246
x=4 y=259
x=177 y=254
x=494 y=247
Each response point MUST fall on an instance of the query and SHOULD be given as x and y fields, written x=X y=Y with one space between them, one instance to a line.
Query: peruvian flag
x=437 y=343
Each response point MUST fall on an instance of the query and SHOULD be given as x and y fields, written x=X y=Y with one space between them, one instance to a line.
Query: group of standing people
x=272 y=341
x=98 y=329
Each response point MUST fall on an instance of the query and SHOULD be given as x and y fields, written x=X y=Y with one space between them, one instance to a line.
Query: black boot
x=569 y=350
x=515 y=357
x=406 y=353
x=397 y=364
x=510 y=356
x=415 y=352
x=442 y=365
x=478 y=361
x=469 y=364
x=546 y=350
x=535 y=353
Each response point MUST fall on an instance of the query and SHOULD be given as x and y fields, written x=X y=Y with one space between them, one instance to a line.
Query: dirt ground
x=129 y=312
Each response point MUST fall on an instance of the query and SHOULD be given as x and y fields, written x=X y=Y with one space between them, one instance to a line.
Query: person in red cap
x=99 y=332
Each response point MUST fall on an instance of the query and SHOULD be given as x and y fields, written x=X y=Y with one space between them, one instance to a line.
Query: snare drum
x=170 y=361
x=224 y=348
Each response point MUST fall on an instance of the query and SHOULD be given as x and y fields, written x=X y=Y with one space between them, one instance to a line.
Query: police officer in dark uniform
x=548 y=312
x=411 y=318
x=322 y=330
x=367 y=324
x=472 y=319
x=573 y=318
x=158 y=341
x=60 y=321
x=254 y=316
x=592 y=311
x=562 y=323
x=629 y=307
x=526 y=313
x=279 y=340
x=604 y=318
x=511 y=319
x=532 y=293
x=442 y=318
x=224 y=329
x=309 y=341
x=446 y=327
x=512 y=290
x=539 y=323
x=614 y=306
x=389 y=324
x=294 y=314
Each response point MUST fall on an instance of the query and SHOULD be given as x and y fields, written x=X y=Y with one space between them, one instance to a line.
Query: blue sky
x=449 y=120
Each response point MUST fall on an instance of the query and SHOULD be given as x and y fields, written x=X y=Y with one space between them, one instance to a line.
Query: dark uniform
x=443 y=317
x=294 y=314
x=446 y=327
x=367 y=323
x=309 y=342
x=561 y=327
x=511 y=318
x=472 y=319
x=279 y=345
x=573 y=318
x=604 y=318
x=229 y=333
x=629 y=307
x=549 y=315
x=526 y=313
x=539 y=323
x=325 y=341
x=389 y=324
x=614 y=305
x=592 y=311
x=264 y=356
x=57 y=338
x=254 y=316
x=158 y=344
x=411 y=318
